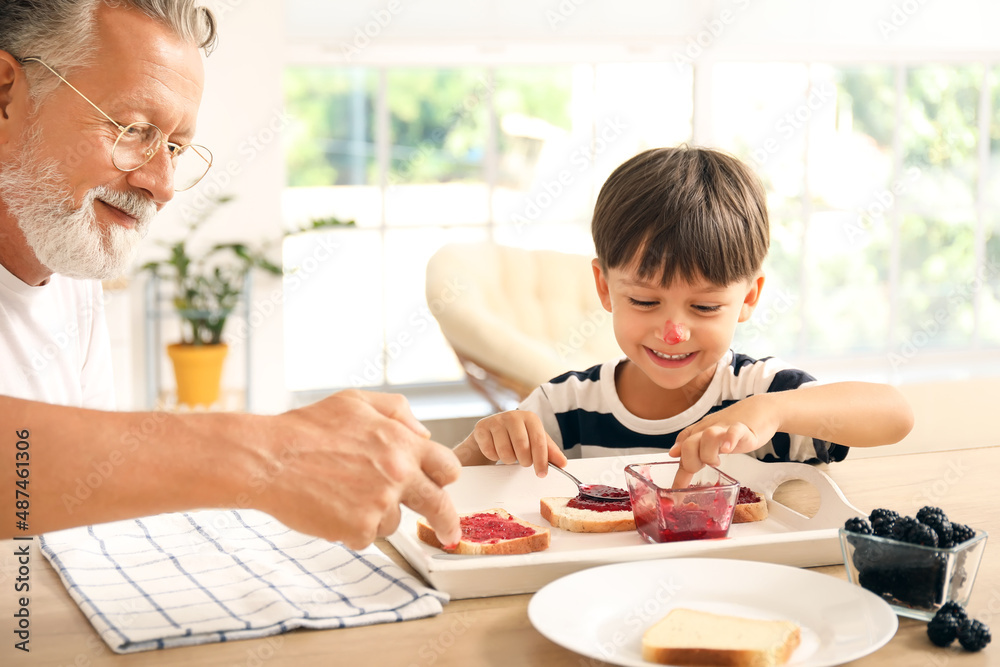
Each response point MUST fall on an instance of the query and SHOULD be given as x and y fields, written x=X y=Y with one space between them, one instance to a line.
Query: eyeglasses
x=138 y=143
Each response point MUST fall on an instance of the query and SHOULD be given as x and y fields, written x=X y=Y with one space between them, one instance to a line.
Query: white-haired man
x=98 y=103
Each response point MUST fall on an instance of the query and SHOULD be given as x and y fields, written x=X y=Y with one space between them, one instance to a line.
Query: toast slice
x=491 y=532
x=688 y=637
x=750 y=506
x=556 y=512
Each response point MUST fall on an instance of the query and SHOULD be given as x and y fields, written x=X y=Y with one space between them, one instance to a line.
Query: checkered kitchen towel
x=200 y=577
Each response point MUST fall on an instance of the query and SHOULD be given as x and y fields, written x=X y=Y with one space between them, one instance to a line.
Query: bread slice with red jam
x=580 y=515
x=490 y=532
x=750 y=506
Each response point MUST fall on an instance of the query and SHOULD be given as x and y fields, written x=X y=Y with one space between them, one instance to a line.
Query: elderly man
x=98 y=102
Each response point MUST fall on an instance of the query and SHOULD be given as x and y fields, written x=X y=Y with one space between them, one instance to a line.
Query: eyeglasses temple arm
x=43 y=64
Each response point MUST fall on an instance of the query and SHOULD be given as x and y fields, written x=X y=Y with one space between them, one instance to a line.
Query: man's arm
x=337 y=469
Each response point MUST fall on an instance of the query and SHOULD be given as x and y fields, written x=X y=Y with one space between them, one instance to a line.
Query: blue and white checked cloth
x=200 y=577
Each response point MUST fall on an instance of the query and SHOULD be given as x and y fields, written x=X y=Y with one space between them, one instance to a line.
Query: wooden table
x=496 y=631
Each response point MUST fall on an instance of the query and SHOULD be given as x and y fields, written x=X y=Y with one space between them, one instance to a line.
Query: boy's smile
x=674 y=335
x=670 y=360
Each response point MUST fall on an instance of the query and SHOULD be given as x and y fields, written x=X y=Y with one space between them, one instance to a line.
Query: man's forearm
x=85 y=466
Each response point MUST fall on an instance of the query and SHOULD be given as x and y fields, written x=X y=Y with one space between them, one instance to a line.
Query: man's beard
x=67 y=239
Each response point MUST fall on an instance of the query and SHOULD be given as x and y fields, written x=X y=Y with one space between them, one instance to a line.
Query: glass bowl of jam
x=703 y=510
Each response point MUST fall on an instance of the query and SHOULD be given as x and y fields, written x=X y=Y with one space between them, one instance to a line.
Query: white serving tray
x=785 y=537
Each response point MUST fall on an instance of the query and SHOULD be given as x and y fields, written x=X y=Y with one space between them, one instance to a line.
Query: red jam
x=585 y=503
x=690 y=521
x=602 y=491
x=615 y=499
x=490 y=528
x=747 y=496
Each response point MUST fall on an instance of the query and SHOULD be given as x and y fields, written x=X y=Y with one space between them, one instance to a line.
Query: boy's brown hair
x=682 y=212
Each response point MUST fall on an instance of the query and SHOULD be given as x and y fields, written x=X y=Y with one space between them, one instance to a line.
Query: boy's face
x=675 y=335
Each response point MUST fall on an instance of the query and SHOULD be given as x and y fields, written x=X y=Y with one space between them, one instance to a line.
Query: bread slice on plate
x=491 y=532
x=750 y=506
x=557 y=512
x=689 y=637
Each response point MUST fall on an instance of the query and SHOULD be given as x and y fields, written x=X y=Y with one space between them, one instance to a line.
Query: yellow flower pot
x=198 y=370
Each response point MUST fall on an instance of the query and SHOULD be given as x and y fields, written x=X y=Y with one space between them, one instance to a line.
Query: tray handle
x=834 y=508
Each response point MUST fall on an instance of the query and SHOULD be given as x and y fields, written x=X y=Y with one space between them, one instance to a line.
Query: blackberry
x=962 y=533
x=879 y=581
x=925 y=581
x=858 y=524
x=945 y=533
x=901 y=529
x=943 y=629
x=927 y=511
x=922 y=534
x=882 y=521
x=952 y=608
x=973 y=635
x=867 y=553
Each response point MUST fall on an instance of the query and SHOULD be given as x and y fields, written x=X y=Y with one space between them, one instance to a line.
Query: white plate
x=602 y=612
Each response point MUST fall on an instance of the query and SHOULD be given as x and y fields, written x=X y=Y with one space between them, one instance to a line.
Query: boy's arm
x=469 y=454
x=854 y=414
x=337 y=469
x=516 y=436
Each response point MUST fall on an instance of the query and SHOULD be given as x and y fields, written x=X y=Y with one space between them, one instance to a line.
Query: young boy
x=681 y=234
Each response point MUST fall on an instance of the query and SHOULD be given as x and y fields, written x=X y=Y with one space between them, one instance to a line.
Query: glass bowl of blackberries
x=916 y=564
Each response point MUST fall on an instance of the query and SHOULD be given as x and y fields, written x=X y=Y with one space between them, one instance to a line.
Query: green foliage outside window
x=437 y=120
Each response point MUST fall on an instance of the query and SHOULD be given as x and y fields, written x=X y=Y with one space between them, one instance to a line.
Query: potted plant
x=206 y=289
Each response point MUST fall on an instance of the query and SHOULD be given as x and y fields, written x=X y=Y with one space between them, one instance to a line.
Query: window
x=876 y=179
x=883 y=184
x=420 y=157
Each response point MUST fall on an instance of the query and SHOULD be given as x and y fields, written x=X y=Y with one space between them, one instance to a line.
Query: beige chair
x=517 y=318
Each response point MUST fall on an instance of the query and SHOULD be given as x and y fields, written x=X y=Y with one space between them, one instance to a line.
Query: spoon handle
x=578 y=483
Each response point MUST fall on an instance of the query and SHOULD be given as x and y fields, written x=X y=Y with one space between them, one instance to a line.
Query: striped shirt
x=583 y=414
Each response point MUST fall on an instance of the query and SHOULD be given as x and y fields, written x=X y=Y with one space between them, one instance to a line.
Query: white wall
x=642 y=28
x=240 y=121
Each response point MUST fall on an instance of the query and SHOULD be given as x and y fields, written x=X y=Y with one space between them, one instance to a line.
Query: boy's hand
x=517 y=436
x=742 y=427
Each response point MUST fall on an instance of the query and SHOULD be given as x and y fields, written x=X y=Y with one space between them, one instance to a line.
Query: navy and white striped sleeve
x=767 y=375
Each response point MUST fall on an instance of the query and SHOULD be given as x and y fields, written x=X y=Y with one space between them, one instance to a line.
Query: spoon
x=598 y=492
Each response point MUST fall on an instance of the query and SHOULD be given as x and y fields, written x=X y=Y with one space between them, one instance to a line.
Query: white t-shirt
x=54 y=343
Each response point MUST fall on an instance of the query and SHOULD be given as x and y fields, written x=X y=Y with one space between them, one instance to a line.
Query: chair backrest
x=528 y=315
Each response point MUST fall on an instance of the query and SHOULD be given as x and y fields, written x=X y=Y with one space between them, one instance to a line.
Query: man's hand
x=341 y=467
x=516 y=436
x=742 y=427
